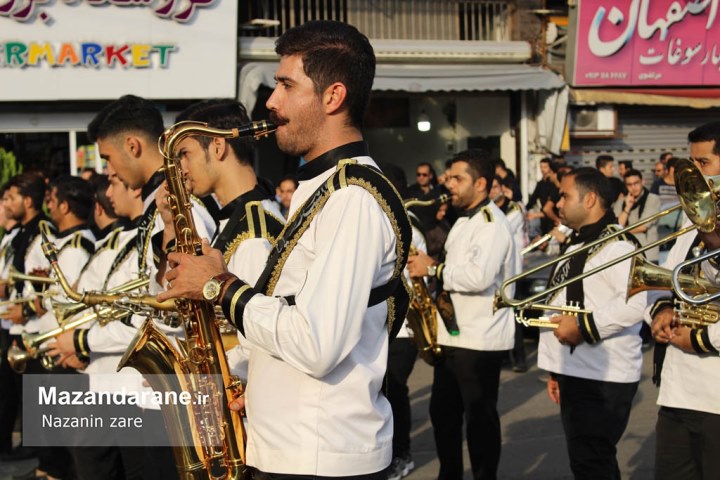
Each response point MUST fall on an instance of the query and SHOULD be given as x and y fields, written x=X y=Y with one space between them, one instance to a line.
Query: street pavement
x=533 y=441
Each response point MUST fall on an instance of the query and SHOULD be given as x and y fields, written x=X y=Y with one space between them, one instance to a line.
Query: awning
x=419 y=78
x=685 y=97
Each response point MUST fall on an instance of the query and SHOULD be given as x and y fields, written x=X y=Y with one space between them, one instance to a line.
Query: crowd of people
x=313 y=278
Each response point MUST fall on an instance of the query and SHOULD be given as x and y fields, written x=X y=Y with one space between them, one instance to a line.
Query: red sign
x=647 y=43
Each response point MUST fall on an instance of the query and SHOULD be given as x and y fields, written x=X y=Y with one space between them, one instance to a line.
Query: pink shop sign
x=647 y=43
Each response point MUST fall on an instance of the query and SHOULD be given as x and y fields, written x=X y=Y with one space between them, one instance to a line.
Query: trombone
x=529 y=303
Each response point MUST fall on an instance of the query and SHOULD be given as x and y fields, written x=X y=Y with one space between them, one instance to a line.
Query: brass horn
x=64 y=310
x=645 y=275
x=503 y=300
x=698 y=196
x=100 y=298
x=18 y=358
x=15 y=276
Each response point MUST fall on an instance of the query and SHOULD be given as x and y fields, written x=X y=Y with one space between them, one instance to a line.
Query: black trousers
x=10 y=393
x=465 y=387
x=594 y=416
x=401 y=360
x=687 y=445
x=258 y=475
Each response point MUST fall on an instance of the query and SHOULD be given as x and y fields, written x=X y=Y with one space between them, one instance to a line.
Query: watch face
x=211 y=289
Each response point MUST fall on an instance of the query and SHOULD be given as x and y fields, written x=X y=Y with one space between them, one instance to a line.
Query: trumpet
x=102 y=298
x=18 y=358
x=15 y=276
x=64 y=310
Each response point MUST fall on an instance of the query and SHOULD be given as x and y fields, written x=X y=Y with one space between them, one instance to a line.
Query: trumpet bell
x=18 y=358
x=698 y=194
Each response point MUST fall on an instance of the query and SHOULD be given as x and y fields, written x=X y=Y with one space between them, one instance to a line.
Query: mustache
x=277 y=119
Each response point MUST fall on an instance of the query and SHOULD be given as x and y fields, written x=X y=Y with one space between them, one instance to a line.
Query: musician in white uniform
x=594 y=359
x=480 y=254
x=249 y=218
x=320 y=327
x=689 y=416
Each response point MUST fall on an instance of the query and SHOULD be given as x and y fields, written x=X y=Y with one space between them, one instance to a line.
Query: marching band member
x=514 y=212
x=127 y=132
x=594 y=359
x=114 y=248
x=320 y=328
x=9 y=379
x=249 y=219
x=689 y=416
x=466 y=383
x=69 y=204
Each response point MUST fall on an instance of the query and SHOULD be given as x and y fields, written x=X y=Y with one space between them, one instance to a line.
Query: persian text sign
x=647 y=43
x=101 y=49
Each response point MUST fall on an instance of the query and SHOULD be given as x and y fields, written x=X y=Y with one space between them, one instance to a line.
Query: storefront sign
x=102 y=49
x=647 y=43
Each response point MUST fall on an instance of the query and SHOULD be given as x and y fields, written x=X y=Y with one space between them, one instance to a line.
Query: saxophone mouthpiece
x=256 y=129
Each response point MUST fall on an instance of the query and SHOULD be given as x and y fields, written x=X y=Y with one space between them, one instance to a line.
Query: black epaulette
x=81 y=242
x=487 y=214
x=261 y=223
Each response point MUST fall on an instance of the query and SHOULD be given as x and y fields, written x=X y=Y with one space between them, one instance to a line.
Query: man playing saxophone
x=127 y=132
x=320 y=327
x=594 y=360
x=480 y=255
x=249 y=221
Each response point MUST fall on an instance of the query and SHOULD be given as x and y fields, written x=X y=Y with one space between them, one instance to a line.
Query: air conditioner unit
x=593 y=121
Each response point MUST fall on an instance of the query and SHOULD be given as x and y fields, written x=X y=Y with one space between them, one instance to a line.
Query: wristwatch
x=431 y=270
x=212 y=288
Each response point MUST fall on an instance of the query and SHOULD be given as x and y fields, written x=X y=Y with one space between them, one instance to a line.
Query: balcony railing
x=387 y=19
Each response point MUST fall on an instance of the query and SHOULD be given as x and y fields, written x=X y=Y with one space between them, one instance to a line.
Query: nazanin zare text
x=51 y=396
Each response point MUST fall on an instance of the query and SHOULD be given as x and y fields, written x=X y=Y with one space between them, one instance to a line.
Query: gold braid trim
x=235 y=244
x=399 y=248
x=148 y=240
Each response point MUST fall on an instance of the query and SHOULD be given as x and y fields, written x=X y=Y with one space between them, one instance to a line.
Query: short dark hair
x=547 y=160
x=589 y=179
x=499 y=162
x=100 y=185
x=633 y=173
x=710 y=132
x=127 y=114
x=664 y=154
x=32 y=185
x=628 y=163
x=78 y=194
x=672 y=161
x=603 y=160
x=334 y=52
x=479 y=164
x=291 y=177
x=224 y=113
x=555 y=166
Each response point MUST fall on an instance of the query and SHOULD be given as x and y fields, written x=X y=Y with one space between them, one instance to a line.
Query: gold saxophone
x=422 y=315
x=199 y=365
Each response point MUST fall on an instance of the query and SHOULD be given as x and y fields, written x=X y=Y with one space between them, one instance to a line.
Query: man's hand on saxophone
x=417 y=265
x=189 y=273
